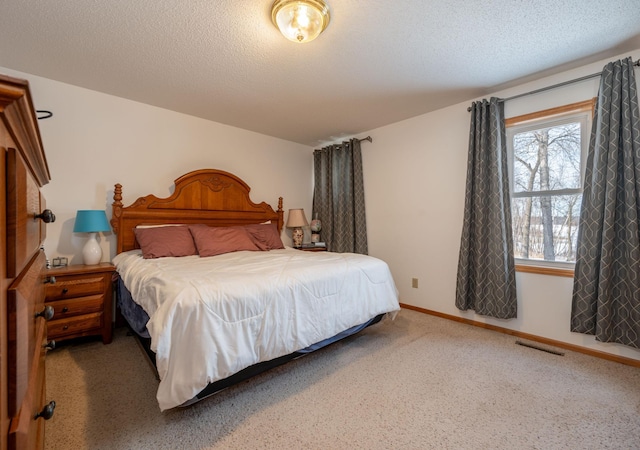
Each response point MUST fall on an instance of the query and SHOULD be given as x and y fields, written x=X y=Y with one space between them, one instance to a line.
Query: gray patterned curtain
x=486 y=270
x=338 y=197
x=606 y=286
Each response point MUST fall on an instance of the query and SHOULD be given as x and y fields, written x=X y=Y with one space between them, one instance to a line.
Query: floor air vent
x=542 y=349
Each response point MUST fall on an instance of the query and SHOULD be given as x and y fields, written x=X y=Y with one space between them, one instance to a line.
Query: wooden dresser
x=23 y=316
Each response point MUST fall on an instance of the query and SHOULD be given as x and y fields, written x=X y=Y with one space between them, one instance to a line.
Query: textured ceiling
x=377 y=63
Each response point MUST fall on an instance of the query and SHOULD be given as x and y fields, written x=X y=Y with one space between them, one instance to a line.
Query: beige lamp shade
x=297 y=220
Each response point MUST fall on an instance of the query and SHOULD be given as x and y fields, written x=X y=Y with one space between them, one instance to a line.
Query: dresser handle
x=47 y=313
x=51 y=280
x=65 y=290
x=65 y=328
x=46 y=216
x=50 y=345
x=65 y=309
x=47 y=411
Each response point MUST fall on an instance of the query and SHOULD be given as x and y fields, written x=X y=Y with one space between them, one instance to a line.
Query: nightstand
x=81 y=297
x=312 y=249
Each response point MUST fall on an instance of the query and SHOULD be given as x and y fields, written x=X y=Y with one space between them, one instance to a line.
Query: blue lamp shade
x=92 y=222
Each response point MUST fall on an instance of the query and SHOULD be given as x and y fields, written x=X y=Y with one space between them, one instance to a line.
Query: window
x=547 y=153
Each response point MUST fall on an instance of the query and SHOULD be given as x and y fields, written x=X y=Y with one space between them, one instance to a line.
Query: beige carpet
x=418 y=382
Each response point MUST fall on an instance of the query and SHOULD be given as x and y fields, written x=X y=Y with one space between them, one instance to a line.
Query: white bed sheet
x=212 y=317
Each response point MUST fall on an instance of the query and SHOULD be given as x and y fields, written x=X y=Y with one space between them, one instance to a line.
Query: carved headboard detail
x=207 y=196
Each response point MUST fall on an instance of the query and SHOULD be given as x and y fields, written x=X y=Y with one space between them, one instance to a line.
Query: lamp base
x=297 y=236
x=91 y=252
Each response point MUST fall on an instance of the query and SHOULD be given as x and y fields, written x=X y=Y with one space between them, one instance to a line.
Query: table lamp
x=92 y=222
x=297 y=220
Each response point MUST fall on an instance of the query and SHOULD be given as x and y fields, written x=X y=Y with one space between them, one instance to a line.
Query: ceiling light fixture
x=300 y=20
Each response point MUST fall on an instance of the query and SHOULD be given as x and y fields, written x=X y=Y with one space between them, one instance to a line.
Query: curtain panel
x=606 y=289
x=338 y=197
x=486 y=268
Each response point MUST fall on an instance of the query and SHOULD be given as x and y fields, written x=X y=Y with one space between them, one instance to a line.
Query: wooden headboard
x=207 y=196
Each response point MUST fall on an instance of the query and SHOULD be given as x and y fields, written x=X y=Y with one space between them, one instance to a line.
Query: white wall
x=415 y=173
x=95 y=140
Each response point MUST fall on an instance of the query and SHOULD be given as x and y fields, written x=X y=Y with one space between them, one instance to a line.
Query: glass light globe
x=300 y=20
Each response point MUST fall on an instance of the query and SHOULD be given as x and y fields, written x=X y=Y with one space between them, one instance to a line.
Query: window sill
x=555 y=271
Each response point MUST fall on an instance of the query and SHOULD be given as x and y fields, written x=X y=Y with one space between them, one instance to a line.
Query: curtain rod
x=553 y=86
x=368 y=138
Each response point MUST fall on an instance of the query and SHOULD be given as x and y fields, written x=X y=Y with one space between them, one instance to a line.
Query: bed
x=225 y=311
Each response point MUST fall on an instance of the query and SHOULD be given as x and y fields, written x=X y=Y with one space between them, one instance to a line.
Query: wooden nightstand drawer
x=84 y=325
x=76 y=306
x=70 y=287
x=81 y=297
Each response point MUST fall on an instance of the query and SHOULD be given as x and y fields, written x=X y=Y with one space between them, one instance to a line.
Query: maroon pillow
x=158 y=242
x=264 y=235
x=211 y=241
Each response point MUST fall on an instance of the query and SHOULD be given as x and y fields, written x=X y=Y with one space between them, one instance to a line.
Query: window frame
x=583 y=111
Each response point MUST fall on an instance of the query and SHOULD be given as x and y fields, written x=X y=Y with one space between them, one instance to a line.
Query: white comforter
x=212 y=317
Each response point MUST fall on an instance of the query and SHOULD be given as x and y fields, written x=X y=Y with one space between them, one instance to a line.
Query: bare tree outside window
x=546 y=176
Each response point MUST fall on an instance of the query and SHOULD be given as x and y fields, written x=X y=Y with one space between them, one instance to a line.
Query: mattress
x=210 y=318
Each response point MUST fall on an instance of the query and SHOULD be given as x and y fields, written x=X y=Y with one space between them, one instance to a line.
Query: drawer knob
x=65 y=328
x=47 y=216
x=50 y=345
x=65 y=290
x=47 y=411
x=65 y=309
x=51 y=280
x=47 y=313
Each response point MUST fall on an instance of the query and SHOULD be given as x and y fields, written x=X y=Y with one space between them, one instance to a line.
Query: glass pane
x=547 y=159
x=546 y=228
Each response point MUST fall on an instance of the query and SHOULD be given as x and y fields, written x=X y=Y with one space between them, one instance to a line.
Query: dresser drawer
x=70 y=287
x=27 y=428
x=23 y=204
x=77 y=306
x=24 y=301
x=83 y=325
